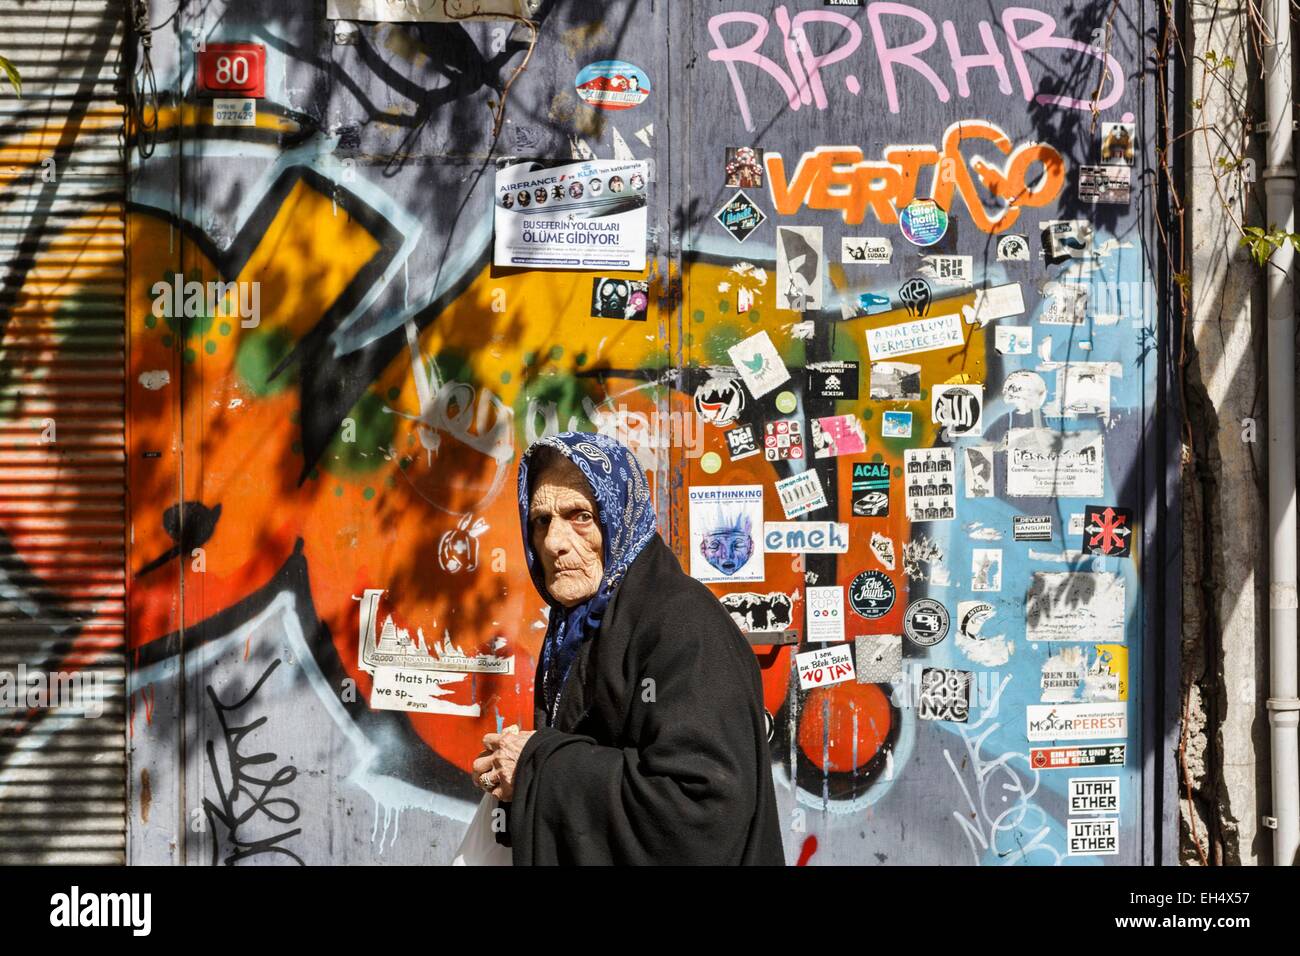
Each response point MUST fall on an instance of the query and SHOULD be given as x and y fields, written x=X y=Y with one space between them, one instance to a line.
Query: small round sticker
x=925 y=622
x=711 y=462
x=612 y=85
x=786 y=402
x=871 y=594
x=720 y=400
x=923 y=222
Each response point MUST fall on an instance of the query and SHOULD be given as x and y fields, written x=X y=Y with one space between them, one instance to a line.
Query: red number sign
x=233 y=69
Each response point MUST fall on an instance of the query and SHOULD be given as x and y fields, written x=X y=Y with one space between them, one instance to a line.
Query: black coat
x=659 y=750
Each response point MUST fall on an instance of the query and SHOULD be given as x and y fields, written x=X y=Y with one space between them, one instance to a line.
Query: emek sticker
x=806 y=537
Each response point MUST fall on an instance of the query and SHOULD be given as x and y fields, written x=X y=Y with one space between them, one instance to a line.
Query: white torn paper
x=1085 y=606
x=401 y=688
x=999 y=302
x=1045 y=463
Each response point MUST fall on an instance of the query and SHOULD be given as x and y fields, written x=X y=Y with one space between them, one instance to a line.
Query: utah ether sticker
x=1108 y=531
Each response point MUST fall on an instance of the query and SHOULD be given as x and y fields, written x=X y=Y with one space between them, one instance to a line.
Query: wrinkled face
x=727 y=551
x=564 y=531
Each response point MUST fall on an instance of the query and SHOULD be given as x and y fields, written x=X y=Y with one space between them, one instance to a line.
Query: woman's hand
x=498 y=760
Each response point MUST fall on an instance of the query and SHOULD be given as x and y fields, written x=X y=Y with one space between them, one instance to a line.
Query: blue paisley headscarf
x=627 y=523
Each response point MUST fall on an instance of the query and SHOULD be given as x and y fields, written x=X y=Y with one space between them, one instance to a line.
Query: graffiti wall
x=894 y=305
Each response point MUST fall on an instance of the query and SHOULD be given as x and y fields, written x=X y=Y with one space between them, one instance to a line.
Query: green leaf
x=11 y=71
x=1260 y=243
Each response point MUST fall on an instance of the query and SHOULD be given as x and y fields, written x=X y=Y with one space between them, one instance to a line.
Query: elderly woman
x=650 y=744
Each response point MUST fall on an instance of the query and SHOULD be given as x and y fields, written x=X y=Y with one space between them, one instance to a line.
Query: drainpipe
x=1279 y=186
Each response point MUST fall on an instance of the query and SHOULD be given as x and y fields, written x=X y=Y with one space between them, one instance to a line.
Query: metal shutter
x=62 y=504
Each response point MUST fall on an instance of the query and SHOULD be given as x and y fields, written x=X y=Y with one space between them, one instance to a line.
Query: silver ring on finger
x=485 y=781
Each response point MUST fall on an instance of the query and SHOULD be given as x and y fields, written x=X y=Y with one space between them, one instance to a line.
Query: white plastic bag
x=480 y=848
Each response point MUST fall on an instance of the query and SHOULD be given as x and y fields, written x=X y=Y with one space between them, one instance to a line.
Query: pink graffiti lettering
x=803 y=77
x=903 y=55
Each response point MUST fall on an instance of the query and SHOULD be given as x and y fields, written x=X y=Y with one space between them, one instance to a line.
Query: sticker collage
x=958 y=395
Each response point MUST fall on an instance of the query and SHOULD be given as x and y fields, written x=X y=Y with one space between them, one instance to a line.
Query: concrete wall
x=1224 y=781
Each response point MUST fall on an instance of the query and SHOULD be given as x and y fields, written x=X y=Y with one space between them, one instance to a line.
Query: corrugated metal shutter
x=62 y=504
